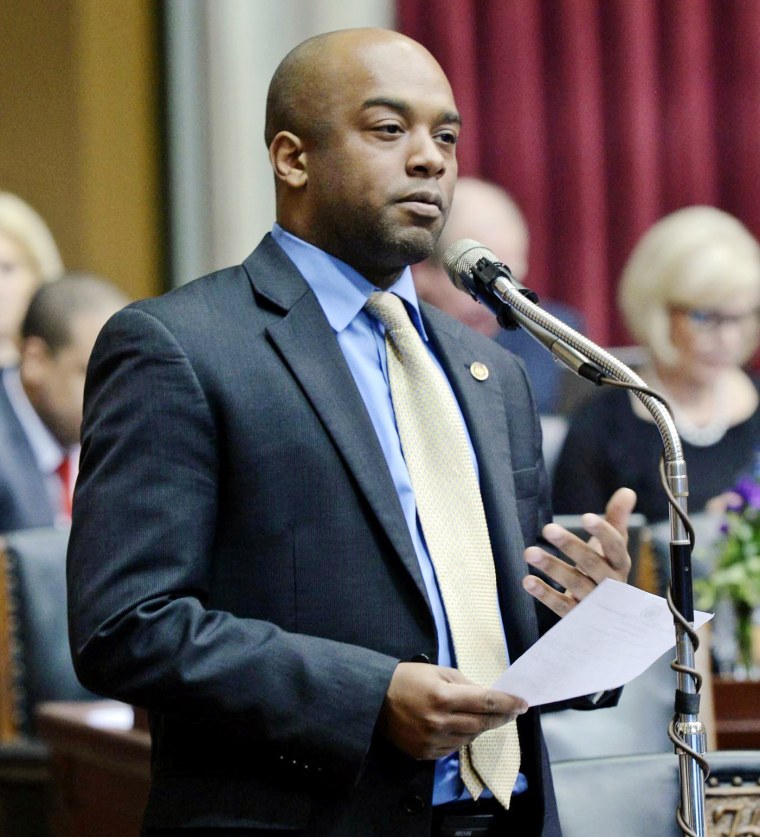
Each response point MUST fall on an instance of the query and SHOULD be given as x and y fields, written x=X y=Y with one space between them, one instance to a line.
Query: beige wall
x=79 y=136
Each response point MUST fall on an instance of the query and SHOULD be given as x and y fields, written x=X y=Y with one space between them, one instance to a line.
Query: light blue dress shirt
x=342 y=293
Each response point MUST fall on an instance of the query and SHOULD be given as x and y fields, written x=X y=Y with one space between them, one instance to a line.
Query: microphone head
x=462 y=256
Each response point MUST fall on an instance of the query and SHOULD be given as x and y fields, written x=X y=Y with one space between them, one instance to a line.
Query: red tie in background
x=64 y=474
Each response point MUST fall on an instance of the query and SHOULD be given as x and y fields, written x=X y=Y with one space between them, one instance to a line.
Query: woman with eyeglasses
x=690 y=295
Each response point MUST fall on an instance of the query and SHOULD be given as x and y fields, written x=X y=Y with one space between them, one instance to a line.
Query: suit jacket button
x=413 y=804
x=419 y=658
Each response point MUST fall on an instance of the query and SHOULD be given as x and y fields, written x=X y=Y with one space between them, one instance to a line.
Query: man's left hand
x=604 y=556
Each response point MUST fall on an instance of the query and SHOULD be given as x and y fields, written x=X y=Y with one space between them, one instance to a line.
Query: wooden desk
x=100 y=775
x=737 y=713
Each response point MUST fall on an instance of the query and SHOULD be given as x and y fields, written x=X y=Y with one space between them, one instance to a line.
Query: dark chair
x=35 y=666
x=24 y=789
x=36 y=572
x=637 y=796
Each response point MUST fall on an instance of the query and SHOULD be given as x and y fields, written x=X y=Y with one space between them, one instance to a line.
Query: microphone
x=477 y=271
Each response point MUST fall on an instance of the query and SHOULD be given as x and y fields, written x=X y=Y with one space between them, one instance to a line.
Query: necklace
x=699 y=435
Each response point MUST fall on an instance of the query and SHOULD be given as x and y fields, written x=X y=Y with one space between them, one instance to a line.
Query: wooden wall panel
x=79 y=130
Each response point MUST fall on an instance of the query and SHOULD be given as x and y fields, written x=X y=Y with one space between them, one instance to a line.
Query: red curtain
x=600 y=116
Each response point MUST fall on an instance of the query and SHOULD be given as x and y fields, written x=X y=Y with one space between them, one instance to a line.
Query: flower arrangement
x=736 y=573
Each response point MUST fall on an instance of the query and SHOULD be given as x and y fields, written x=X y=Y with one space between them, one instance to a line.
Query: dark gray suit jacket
x=24 y=499
x=239 y=562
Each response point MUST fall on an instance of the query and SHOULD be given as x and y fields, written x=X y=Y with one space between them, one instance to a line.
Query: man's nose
x=426 y=156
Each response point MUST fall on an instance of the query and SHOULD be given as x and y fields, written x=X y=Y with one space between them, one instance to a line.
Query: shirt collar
x=340 y=289
x=47 y=452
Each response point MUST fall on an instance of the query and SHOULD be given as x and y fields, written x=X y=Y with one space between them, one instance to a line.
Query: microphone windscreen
x=462 y=256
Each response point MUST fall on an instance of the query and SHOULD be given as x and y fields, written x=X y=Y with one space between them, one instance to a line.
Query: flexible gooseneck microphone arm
x=475 y=270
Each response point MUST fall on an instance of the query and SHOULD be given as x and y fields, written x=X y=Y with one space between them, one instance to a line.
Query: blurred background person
x=487 y=213
x=690 y=294
x=41 y=399
x=28 y=257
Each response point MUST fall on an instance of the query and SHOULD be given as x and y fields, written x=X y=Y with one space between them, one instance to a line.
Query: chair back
x=38 y=666
x=637 y=725
x=633 y=796
x=628 y=796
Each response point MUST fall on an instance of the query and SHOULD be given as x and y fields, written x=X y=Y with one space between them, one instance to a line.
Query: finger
x=476 y=701
x=608 y=549
x=619 y=509
x=464 y=728
x=604 y=556
x=577 y=584
x=469 y=726
x=449 y=741
x=560 y=603
x=447 y=732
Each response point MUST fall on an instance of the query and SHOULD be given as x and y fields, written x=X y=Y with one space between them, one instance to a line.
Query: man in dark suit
x=245 y=557
x=41 y=400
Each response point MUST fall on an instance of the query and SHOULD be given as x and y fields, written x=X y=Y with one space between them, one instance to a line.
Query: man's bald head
x=294 y=97
x=302 y=90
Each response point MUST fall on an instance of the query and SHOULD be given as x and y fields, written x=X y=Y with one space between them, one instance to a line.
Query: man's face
x=54 y=380
x=380 y=183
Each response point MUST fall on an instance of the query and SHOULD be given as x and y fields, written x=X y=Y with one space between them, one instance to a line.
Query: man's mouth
x=423 y=203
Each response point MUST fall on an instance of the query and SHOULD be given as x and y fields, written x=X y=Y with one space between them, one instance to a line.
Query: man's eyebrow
x=402 y=107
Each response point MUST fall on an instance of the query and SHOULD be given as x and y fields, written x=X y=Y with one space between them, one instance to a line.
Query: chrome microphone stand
x=465 y=259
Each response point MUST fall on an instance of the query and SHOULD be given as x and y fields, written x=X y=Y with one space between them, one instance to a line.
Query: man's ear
x=288 y=159
x=35 y=357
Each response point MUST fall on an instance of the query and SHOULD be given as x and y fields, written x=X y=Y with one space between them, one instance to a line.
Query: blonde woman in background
x=28 y=257
x=690 y=295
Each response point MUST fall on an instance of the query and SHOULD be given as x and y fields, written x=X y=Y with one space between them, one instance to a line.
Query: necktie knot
x=389 y=310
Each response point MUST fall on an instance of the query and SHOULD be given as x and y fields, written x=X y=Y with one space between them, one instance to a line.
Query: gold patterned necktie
x=450 y=510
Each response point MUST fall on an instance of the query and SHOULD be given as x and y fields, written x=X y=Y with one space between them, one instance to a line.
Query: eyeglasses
x=707 y=321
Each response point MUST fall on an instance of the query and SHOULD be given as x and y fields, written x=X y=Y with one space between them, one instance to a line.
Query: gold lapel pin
x=479 y=371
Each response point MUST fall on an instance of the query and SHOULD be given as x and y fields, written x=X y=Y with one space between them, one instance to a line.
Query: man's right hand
x=430 y=711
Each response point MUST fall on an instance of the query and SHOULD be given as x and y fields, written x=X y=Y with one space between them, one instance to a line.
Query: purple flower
x=749 y=490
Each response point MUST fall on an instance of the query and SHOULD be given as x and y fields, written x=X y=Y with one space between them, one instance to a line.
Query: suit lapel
x=308 y=346
x=27 y=492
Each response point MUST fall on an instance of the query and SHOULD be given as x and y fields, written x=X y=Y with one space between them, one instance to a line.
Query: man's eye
x=390 y=129
x=449 y=137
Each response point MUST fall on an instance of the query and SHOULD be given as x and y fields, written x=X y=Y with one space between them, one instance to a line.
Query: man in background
x=41 y=399
x=486 y=213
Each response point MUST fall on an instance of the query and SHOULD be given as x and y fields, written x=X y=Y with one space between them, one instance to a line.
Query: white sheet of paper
x=612 y=636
